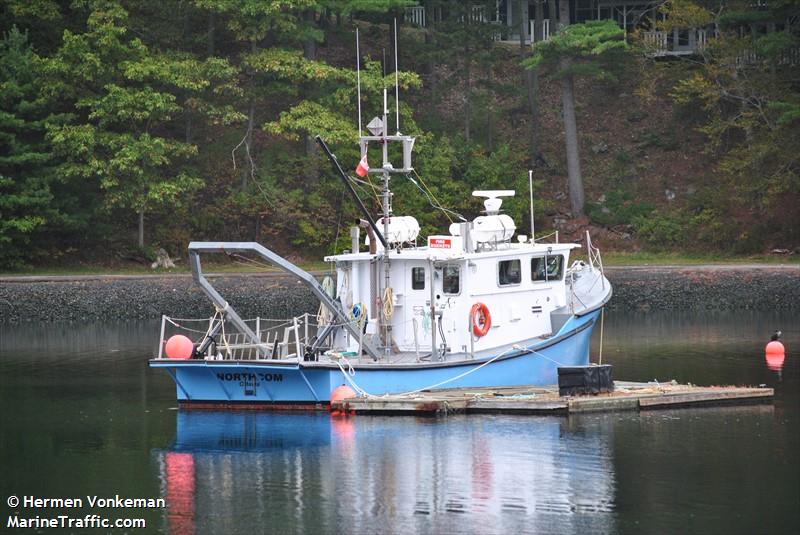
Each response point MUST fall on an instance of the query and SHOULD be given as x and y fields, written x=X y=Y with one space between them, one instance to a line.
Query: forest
x=131 y=125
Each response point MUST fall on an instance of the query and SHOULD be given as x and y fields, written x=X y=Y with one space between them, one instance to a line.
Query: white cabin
x=521 y=283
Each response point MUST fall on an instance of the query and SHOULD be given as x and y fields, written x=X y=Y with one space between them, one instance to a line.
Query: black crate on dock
x=582 y=380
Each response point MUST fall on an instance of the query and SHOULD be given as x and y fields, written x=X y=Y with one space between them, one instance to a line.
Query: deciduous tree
x=124 y=97
x=746 y=82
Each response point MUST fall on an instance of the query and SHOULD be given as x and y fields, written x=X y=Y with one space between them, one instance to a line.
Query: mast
x=358 y=81
x=386 y=195
x=530 y=186
x=378 y=127
x=396 y=84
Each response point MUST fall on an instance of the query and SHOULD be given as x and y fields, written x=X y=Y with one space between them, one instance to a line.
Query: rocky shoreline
x=751 y=287
x=99 y=298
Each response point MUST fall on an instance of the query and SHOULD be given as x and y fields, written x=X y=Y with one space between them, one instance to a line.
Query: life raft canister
x=481 y=319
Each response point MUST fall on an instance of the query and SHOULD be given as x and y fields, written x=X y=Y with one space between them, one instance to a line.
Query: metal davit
x=196 y=248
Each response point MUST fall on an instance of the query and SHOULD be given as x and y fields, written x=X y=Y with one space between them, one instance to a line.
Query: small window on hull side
x=451 y=280
x=509 y=272
x=418 y=278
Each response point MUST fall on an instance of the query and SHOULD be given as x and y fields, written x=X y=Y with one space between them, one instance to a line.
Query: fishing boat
x=478 y=305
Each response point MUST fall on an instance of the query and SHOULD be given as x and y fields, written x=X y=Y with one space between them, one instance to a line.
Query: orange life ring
x=481 y=319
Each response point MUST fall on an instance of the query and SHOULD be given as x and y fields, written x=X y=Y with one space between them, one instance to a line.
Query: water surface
x=83 y=415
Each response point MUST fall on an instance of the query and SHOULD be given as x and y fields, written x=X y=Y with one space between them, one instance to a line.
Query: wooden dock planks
x=545 y=400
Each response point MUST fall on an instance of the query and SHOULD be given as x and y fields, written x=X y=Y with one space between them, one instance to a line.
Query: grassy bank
x=681 y=259
x=609 y=259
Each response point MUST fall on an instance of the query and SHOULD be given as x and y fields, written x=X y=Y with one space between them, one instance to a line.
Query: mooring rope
x=348 y=375
x=363 y=393
x=600 y=355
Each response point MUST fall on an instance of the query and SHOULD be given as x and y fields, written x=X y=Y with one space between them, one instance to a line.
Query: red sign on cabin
x=440 y=243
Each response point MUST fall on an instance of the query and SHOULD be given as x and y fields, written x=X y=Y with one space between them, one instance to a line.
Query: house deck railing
x=417 y=16
x=678 y=42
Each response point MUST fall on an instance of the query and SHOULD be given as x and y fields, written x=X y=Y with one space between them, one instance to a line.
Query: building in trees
x=516 y=19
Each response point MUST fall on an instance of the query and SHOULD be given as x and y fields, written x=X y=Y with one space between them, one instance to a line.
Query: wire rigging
x=338 y=230
x=432 y=200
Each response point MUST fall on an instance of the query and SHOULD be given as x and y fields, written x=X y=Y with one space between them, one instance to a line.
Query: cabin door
x=418 y=301
x=448 y=287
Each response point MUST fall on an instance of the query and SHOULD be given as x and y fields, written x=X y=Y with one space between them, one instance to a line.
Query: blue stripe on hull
x=269 y=384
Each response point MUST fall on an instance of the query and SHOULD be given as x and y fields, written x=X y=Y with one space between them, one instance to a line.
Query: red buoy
x=179 y=347
x=775 y=348
x=339 y=393
x=342 y=392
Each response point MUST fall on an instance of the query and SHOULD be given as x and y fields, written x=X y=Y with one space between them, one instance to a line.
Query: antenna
x=396 y=82
x=358 y=81
x=530 y=184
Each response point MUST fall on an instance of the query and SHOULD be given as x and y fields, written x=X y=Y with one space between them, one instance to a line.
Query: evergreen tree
x=578 y=50
x=26 y=201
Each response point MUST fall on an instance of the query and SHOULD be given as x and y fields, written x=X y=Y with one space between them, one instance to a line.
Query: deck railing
x=595 y=259
x=545 y=30
x=662 y=44
x=790 y=56
x=416 y=16
x=678 y=42
x=282 y=339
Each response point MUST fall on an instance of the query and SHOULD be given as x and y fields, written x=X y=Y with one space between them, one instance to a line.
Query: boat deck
x=627 y=396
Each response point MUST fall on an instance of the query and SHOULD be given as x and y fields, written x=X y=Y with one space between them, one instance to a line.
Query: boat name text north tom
x=249 y=377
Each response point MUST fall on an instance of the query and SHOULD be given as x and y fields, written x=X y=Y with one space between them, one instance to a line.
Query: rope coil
x=388 y=303
x=324 y=315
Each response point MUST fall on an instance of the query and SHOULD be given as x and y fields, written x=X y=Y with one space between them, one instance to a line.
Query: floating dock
x=627 y=396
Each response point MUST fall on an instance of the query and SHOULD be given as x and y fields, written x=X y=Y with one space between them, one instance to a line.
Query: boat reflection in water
x=179 y=479
x=266 y=472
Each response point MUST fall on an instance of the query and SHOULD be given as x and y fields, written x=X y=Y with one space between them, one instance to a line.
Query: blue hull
x=241 y=383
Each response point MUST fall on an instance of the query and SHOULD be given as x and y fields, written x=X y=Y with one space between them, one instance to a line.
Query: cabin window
x=509 y=272
x=555 y=265
x=547 y=268
x=418 y=278
x=451 y=280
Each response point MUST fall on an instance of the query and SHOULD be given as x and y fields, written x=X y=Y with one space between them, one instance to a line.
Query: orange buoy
x=775 y=348
x=339 y=393
x=179 y=347
x=342 y=392
x=481 y=319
